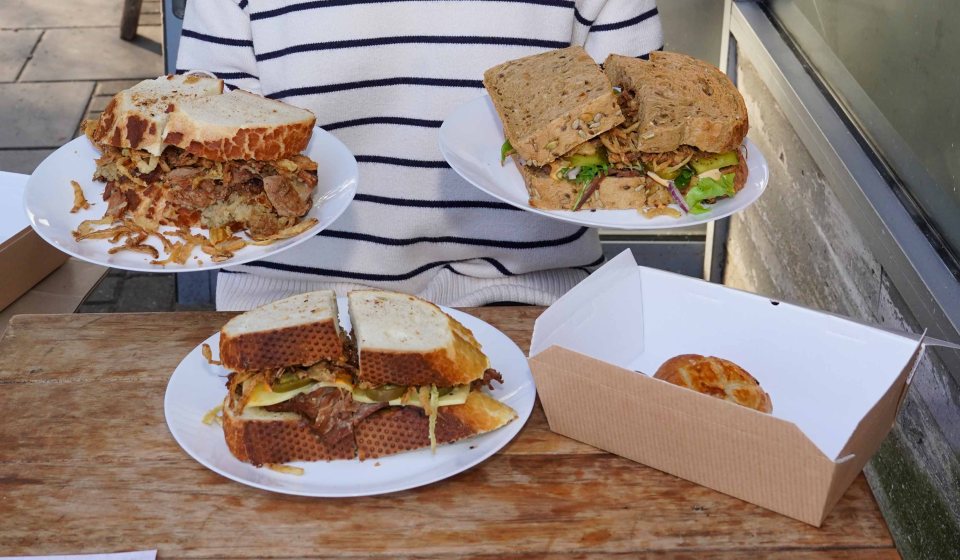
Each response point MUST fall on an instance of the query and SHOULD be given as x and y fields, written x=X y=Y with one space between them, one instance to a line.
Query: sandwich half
x=177 y=151
x=302 y=390
x=550 y=103
x=684 y=127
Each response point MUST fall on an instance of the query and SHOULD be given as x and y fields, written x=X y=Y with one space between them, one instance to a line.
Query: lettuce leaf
x=707 y=188
x=505 y=150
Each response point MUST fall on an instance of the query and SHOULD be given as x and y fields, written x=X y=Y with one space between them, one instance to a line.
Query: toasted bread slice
x=398 y=429
x=404 y=340
x=136 y=117
x=298 y=330
x=258 y=436
x=239 y=125
x=551 y=102
x=681 y=100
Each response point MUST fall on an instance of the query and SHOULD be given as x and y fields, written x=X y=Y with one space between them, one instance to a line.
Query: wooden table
x=87 y=465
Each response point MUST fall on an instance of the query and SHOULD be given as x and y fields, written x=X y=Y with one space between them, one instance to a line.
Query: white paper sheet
x=136 y=555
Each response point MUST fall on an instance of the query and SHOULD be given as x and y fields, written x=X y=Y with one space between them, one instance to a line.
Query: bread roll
x=715 y=377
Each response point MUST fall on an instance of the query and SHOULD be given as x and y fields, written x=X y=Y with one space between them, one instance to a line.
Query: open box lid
x=13 y=219
x=827 y=376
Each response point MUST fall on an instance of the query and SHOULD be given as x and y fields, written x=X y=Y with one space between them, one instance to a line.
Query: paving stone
x=107 y=291
x=58 y=13
x=41 y=115
x=22 y=161
x=97 y=308
x=15 y=49
x=95 y=54
x=155 y=292
x=113 y=87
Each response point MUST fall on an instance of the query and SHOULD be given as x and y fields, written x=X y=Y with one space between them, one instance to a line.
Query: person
x=381 y=75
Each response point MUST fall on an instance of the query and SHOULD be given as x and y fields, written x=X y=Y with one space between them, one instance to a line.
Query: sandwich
x=178 y=152
x=301 y=389
x=684 y=127
x=551 y=105
x=674 y=147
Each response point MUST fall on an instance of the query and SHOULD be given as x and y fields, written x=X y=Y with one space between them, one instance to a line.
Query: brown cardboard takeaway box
x=836 y=385
x=25 y=259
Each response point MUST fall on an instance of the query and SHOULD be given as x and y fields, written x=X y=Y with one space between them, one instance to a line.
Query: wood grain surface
x=87 y=465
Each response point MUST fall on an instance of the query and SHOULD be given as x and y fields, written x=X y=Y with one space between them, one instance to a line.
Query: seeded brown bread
x=398 y=429
x=136 y=117
x=548 y=193
x=681 y=101
x=258 y=437
x=551 y=102
x=298 y=330
x=239 y=125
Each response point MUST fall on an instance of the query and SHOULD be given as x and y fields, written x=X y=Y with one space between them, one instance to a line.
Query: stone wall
x=797 y=244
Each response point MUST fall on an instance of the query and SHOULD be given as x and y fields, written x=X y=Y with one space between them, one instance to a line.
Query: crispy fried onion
x=208 y=355
x=213 y=415
x=221 y=244
x=79 y=201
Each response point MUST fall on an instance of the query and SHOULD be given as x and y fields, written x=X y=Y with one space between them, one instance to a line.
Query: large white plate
x=470 y=140
x=196 y=387
x=48 y=198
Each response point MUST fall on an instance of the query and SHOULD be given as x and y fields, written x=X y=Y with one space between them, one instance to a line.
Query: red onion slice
x=675 y=193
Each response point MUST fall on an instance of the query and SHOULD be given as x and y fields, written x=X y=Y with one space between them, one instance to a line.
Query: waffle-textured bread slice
x=298 y=330
x=136 y=117
x=398 y=429
x=258 y=436
x=715 y=377
x=404 y=340
x=239 y=125
x=681 y=100
x=551 y=102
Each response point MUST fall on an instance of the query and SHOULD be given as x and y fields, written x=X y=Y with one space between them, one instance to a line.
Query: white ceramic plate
x=196 y=387
x=48 y=198
x=470 y=140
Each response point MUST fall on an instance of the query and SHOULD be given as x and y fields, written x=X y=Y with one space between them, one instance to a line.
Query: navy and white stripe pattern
x=381 y=75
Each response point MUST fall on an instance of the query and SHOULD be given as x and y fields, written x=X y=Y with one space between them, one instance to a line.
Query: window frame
x=914 y=263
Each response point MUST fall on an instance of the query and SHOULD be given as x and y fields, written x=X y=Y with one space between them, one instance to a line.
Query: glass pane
x=895 y=66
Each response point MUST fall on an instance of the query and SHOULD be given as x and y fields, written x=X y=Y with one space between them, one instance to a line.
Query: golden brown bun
x=299 y=330
x=548 y=102
x=239 y=125
x=681 y=101
x=438 y=351
x=260 y=437
x=398 y=429
x=715 y=377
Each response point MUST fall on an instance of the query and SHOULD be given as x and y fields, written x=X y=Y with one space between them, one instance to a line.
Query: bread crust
x=715 y=377
x=278 y=440
x=398 y=429
x=681 y=101
x=460 y=362
x=224 y=143
x=303 y=345
x=547 y=102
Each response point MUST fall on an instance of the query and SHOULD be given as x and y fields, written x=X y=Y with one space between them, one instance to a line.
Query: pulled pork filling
x=183 y=190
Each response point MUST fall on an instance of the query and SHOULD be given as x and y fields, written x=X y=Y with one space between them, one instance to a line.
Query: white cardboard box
x=835 y=384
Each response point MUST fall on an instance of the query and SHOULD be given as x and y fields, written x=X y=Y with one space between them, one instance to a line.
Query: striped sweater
x=381 y=75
